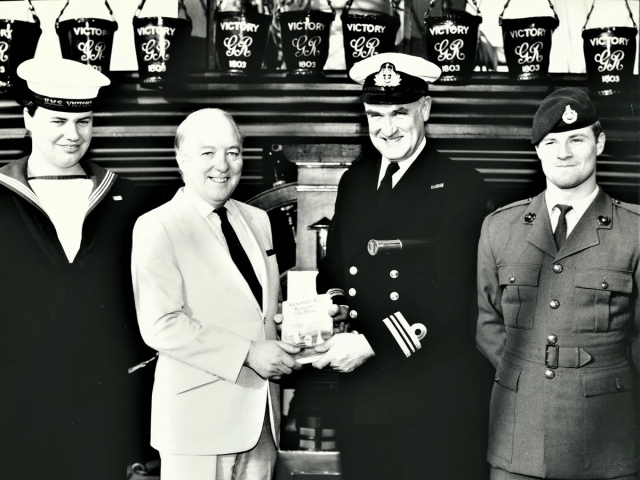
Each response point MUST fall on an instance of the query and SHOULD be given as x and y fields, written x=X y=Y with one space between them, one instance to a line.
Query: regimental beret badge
x=387 y=76
x=569 y=116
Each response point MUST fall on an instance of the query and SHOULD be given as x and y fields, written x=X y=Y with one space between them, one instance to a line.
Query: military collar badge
x=569 y=116
x=387 y=76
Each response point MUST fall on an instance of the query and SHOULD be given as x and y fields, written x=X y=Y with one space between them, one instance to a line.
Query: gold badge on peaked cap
x=569 y=116
x=387 y=76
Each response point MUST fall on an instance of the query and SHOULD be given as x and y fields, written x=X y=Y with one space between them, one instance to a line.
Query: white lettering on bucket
x=90 y=31
x=6 y=32
x=609 y=41
x=238 y=46
x=154 y=50
x=449 y=51
x=528 y=32
x=306 y=47
x=91 y=50
x=306 y=25
x=449 y=30
x=4 y=47
x=241 y=26
x=156 y=30
x=529 y=53
x=365 y=27
x=609 y=61
x=363 y=47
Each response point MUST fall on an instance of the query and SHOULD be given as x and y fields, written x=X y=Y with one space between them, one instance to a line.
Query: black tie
x=560 y=234
x=238 y=255
x=386 y=185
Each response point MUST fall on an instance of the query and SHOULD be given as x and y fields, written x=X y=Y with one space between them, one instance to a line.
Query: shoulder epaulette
x=631 y=207
x=514 y=204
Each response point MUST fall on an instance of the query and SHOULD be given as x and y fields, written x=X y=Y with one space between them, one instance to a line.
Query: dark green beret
x=563 y=110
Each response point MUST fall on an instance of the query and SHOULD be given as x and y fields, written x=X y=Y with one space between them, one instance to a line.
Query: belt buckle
x=546 y=355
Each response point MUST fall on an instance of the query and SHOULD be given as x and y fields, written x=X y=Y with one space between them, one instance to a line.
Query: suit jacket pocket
x=601 y=299
x=610 y=399
x=502 y=412
x=189 y=378
x=519 y=283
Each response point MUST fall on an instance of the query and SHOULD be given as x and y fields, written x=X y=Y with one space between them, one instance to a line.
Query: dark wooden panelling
x=485 y=124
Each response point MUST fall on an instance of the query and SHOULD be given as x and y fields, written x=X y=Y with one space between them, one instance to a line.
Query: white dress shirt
x=66 y=203
x=404 y=165
x=247 y=240
x=552 y=198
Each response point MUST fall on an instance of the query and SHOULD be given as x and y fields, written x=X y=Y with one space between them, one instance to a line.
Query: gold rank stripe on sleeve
x=335 y=292
x=403 y=333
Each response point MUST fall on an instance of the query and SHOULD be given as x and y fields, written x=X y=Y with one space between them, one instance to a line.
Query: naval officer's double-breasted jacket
x=559 y=326
x=393 y=298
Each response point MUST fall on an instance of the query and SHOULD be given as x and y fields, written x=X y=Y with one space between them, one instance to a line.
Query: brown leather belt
x=554 y=356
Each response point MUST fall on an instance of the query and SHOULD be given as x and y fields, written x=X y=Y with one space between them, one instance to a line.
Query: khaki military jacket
x=560 y=328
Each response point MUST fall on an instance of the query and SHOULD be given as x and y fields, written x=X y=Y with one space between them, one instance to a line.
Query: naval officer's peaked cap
x=62 y=85
x=394 y=78
x=563 y=110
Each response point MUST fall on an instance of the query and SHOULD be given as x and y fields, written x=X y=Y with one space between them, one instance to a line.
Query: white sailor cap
x=62 y=85
x=394 y=78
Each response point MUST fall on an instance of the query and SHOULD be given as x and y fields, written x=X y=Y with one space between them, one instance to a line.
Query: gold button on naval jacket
x=394 y=274
x=394 y=296
x=558 y=268
x=549 y=374
x=352 y=292
x=554 y=304
x=512 y=280
x=353 y=270
x=353 y=314
x=552 y=339
x=604 y=285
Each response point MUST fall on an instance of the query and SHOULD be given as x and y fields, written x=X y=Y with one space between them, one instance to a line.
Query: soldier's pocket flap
x=602 y=279
x=508 y=376
x=603 y=383
x=519 y=274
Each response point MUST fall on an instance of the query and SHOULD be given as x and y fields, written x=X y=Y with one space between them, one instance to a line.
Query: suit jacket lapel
x=585 y=233
x=541 y=234
x=213 y=248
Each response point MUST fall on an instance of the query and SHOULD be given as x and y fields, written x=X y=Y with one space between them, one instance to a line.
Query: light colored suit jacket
x=196 y=309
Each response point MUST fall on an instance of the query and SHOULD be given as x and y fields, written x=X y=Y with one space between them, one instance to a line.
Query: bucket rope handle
x=347 y=7
x=333 y=10
x=32 y=11
x=433 y=2
x=180 y=5
x=591 y=11
x=509 y=1
x=106 y=4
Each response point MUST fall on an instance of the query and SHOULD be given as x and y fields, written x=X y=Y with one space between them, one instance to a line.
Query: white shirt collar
x=552 y=198
x=202 y=207
x=403 y=165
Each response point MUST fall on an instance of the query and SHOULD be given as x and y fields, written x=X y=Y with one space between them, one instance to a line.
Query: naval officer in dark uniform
x=408 y=359
x=558 y=312
x=67 y=321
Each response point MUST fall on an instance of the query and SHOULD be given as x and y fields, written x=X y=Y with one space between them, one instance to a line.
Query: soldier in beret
x=68 y=331
x=409 y=358
x=558 y=312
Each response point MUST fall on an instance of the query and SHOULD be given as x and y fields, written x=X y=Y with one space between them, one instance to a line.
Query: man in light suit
x=206 y=287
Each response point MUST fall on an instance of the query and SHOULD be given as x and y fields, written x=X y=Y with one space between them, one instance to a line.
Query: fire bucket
x=18 y=42
x=305 y=39
x=610 y=54
x=159 y=43
x=87 y=40
x=241 y=40
x=452 y=41
x=368 y=34
x=527 y=44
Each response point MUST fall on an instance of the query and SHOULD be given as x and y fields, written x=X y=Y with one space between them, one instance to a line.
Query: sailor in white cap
x=408 y=373
x=65 y=295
